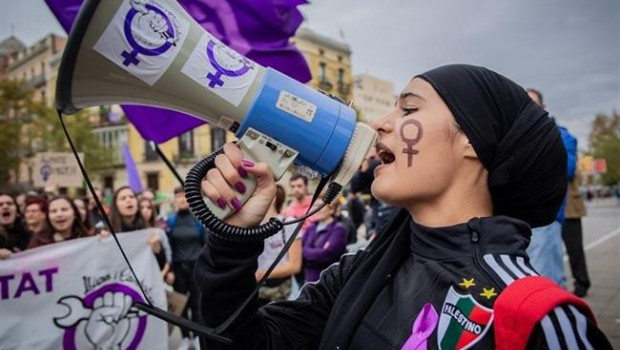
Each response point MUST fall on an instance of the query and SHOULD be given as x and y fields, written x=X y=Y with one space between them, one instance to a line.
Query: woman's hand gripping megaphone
x=241 y=186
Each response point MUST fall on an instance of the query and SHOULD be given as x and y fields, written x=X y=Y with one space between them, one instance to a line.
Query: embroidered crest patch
x=463 y=321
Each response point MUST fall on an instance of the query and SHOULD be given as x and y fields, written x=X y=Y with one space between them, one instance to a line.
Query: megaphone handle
x=256 y=147
x=249 y=184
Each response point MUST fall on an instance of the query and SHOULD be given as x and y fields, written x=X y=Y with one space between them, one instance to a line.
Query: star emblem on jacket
x=467 y=283
x=488 y=293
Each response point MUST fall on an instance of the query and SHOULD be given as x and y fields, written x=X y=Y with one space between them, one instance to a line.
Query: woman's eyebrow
x=404 y=95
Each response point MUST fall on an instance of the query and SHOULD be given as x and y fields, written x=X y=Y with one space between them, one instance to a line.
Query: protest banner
x=78 y=294
x=54 y=168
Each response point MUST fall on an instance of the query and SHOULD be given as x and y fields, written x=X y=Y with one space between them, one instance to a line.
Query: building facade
x=37 y=66
x=9 y=49
x=372 y=97
x=329 y=61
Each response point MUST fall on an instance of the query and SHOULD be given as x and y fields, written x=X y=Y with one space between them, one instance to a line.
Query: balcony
x=344 y=89
x=36 y=82
x=185 y=158
x=325 y=84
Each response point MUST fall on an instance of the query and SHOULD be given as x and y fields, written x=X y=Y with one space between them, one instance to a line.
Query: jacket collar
x=492 y=235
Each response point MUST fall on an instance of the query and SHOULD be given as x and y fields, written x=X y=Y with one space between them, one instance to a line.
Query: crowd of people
x=33 y=219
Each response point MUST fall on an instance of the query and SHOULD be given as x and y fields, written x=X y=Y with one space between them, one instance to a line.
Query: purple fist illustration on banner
x=104 y=319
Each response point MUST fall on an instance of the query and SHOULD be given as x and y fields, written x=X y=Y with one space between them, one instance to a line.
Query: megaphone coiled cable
x=227 y=232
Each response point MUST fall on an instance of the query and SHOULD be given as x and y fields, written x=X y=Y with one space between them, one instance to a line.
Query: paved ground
x=602 y=244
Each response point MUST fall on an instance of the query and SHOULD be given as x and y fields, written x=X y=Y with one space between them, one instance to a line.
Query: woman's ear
x=469 y=151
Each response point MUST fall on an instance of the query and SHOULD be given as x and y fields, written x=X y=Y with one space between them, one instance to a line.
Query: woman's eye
x=408 y=111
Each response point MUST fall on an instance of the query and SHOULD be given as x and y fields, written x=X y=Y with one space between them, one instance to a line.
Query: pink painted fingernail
x=247 y=163
x=221 y=203
x=235 y=203
x=240 y=187
x=242 y=172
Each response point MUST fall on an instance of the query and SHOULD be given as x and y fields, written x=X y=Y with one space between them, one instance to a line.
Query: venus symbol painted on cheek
x=411 y=133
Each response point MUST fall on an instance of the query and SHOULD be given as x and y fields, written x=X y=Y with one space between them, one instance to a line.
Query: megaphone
x=152 y=52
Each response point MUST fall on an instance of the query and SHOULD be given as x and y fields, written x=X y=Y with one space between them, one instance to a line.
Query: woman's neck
x=128 y=220
x=66 y=234
x=36 y=228
x=456 y=205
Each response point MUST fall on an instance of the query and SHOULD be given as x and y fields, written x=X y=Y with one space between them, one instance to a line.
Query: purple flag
x=258 y=29
x=133 y=177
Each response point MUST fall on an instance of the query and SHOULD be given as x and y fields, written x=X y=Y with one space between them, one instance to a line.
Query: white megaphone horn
x=151 y=52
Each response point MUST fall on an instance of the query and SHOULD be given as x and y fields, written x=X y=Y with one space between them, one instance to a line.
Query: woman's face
x=126 y=202
x=81 y=206
x=61 y=215
x=419 y=146
x=146 y=210
x=8 y=210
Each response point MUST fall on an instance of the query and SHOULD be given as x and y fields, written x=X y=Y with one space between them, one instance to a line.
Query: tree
x=14 y=97
x=605 y=143
x=29 y=127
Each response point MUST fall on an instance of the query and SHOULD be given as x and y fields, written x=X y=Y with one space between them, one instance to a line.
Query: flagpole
x=167 y=161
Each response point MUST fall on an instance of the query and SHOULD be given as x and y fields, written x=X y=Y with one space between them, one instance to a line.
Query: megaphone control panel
x=258 y=147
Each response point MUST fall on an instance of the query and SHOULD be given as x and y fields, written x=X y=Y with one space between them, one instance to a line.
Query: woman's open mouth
x=384 y=154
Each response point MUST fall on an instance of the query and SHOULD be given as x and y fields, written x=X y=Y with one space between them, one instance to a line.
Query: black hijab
x=514 y=138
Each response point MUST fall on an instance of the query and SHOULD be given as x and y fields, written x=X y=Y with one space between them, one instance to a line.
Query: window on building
x=152 y=181
x=321 y=52
x=218 y=138
x=340 y=78
x=106 y=136
x=339 y=58
x=322 y=71
x=150 y=154
x=186 y=144
x=108 y=185
x=42 y=67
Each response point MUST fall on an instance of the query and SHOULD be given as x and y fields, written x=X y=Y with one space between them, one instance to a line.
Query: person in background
x=96 y=217
x=80 y=203
x=148 y=194
x=572 y=234
x=20 y=199
x=34 y=215
x=279 y=284
x=124 y=215
x=163 y=252
x=301 y=200
x=63 y=223
x=356 y=209
x=324 y=242
x=14 y=236
x=380 y=212
x=186 y=235
x=545 y=249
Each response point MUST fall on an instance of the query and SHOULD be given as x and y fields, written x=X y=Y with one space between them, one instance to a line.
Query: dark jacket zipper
x=475 y=238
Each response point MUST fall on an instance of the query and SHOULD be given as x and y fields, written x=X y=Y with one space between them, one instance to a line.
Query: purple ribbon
x=423 y=327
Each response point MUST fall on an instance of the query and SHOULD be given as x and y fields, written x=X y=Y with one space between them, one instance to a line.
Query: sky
x=567 y=49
